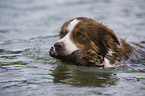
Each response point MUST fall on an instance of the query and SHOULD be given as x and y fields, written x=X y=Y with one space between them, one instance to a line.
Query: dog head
x=84 y=34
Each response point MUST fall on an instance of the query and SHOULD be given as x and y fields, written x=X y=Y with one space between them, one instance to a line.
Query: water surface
x=28 y=28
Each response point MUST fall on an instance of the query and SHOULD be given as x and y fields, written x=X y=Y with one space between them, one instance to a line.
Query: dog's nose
x=59 y=45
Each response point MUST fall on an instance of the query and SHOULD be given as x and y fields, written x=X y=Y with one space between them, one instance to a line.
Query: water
x=28 y=28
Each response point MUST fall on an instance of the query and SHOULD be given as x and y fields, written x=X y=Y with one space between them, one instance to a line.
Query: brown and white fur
x=86 y=42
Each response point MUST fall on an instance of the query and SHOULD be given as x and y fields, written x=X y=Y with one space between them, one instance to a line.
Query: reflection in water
x=83 y=77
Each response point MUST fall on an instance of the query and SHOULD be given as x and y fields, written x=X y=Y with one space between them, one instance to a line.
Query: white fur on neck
x=107 y=63
x=110 y=52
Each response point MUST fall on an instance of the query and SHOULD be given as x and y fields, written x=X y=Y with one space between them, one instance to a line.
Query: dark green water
x=28 y=28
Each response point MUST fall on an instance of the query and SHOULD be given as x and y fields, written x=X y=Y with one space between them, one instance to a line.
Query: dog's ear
x=107 y=36
x=105 y=39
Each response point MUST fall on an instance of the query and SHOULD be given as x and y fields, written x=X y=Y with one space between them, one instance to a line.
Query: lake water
x=28 y=28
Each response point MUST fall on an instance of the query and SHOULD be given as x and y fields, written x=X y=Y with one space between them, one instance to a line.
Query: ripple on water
x=22 y=69
x=8 y=57
x=4 y=29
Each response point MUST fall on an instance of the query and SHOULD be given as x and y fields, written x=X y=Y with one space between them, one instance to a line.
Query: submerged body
x=86 y=42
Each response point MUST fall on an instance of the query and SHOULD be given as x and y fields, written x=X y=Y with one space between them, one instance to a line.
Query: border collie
x=88 y=43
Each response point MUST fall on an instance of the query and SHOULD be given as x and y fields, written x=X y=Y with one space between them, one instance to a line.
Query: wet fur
x=94 y=41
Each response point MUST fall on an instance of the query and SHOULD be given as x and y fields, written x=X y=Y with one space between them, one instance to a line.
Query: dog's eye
x=81 y=36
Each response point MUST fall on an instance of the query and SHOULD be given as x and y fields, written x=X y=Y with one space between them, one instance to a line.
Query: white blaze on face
x=69 y=45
